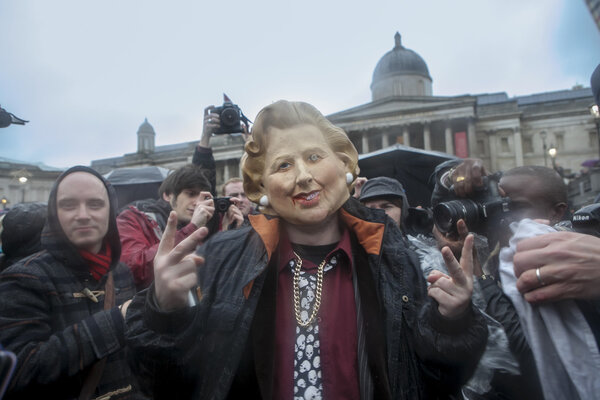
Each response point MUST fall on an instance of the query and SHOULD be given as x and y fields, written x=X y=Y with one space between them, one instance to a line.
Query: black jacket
x=196 y=352
x=56 y=331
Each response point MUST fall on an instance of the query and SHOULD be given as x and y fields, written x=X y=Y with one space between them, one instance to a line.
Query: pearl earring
x=349 y=177
x=264 y=200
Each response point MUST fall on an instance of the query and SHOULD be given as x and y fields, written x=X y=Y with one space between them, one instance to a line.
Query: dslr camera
x=587 y=220
x=231 y=117
x=222 y=204
x=486 y=207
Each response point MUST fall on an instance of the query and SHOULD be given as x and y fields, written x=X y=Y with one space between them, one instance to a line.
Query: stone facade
x=503 y=131
x=36 y=187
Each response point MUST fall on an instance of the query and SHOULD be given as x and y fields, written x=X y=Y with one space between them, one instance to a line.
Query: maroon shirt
x=337 y=326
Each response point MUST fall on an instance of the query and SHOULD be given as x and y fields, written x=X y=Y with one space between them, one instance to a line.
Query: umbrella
x=136 y=183
x=590 y=163
x=412 y=167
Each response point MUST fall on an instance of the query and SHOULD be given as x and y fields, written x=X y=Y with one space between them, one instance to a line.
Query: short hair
x=166 y=187
x=552 y=184
x=284 y=115
x=232 y=180
x=186 y=177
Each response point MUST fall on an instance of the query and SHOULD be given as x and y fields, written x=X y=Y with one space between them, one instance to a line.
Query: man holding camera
x=536 y=255
x=188 y=191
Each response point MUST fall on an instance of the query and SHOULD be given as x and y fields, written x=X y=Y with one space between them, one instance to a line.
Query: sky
x=86 y=74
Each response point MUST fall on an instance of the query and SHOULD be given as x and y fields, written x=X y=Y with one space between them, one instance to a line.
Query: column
x=365 y=143
x=225 y=171
x=493 y=150
x=385 y=140
x=518 y=146
x=426 y=136
x=471 y=139
x=449 y=141
x=405 y=135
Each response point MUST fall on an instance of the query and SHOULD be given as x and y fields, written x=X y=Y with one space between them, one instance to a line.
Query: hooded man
x=61 y=309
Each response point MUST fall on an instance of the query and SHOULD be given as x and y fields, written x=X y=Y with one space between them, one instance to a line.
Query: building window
x=504 y=147
x=481 y=147
x=527 y=145
x=593 y=139
x=560 y=141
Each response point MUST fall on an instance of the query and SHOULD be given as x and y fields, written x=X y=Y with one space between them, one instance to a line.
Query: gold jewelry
x=317 y=304
x=460 y=178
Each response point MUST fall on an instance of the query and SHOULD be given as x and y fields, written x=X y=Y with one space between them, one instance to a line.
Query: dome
x=145 y=127
x=401 y=72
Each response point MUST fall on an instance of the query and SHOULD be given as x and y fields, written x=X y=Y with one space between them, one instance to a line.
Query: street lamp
x=4 y=202
x=595 y=111
x=552 y=151
x=543 y=136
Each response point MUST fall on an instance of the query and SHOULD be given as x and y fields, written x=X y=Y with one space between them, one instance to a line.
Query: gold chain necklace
x=317 y=304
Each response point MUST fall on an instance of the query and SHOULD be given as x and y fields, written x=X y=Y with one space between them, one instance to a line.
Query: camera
x=419 y=221
x=587 y=220
x=222 y=204
x=485 y=207
x=231 y=117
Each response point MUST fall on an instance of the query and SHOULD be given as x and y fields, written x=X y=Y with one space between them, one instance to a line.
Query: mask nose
x=304 y=174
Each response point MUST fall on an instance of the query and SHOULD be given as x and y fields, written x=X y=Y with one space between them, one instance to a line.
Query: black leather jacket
x=196 y=352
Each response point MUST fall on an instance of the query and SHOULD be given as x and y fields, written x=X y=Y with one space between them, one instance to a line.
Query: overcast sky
x=86 y=74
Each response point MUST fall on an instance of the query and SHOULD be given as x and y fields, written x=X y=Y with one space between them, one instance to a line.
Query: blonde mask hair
x=283 y=115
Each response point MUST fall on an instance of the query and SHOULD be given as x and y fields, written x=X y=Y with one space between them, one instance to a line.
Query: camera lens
x=230 y=117
x=446 y=215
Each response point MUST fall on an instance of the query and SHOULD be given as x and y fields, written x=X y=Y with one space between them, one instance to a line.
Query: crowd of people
x=313 y=282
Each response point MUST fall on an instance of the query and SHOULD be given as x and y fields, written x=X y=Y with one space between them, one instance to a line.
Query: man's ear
x=557 y=212
x=167 y=197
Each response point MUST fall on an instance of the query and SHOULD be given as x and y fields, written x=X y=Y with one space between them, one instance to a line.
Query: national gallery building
x=503 y=131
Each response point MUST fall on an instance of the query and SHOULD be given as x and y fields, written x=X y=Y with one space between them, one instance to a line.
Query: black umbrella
x=412 y=167
x=136 y=183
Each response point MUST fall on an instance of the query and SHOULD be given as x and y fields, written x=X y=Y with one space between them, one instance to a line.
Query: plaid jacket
x=54 y=326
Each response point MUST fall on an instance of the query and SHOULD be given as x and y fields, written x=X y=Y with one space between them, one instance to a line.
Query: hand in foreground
x=233 y=215
x=558 y=266
x=467 y=176
x=453 y=293
x=205 y=208
x=175 y=266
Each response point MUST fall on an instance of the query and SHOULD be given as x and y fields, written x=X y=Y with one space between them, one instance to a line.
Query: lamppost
x=552 y=151
x=4 y=202
x=543 y=136
x=595 y=111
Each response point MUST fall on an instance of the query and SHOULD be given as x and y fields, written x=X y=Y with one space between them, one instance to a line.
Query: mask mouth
x=307 y=196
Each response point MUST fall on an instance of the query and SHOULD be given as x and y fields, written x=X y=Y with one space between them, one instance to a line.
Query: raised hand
x=453 y=293
x=175 y=266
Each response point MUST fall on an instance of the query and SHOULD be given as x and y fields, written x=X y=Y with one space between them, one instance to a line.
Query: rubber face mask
x=304 y=179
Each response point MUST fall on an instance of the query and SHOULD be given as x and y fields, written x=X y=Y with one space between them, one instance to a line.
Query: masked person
x=61 y=308
x=318 y=298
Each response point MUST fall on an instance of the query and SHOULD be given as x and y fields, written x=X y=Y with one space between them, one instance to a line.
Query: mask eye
x=284 y=165
x=314 y=157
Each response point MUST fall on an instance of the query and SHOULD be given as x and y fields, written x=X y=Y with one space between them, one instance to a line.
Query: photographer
x=535 y=193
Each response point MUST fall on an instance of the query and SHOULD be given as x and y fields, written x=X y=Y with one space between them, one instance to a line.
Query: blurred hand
x=358 y=184
x=569 y=267
x=468 y=176
x=175 y=266
x=233 y=215
x=453 y=293
x=212 y=121
x=205 y=208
